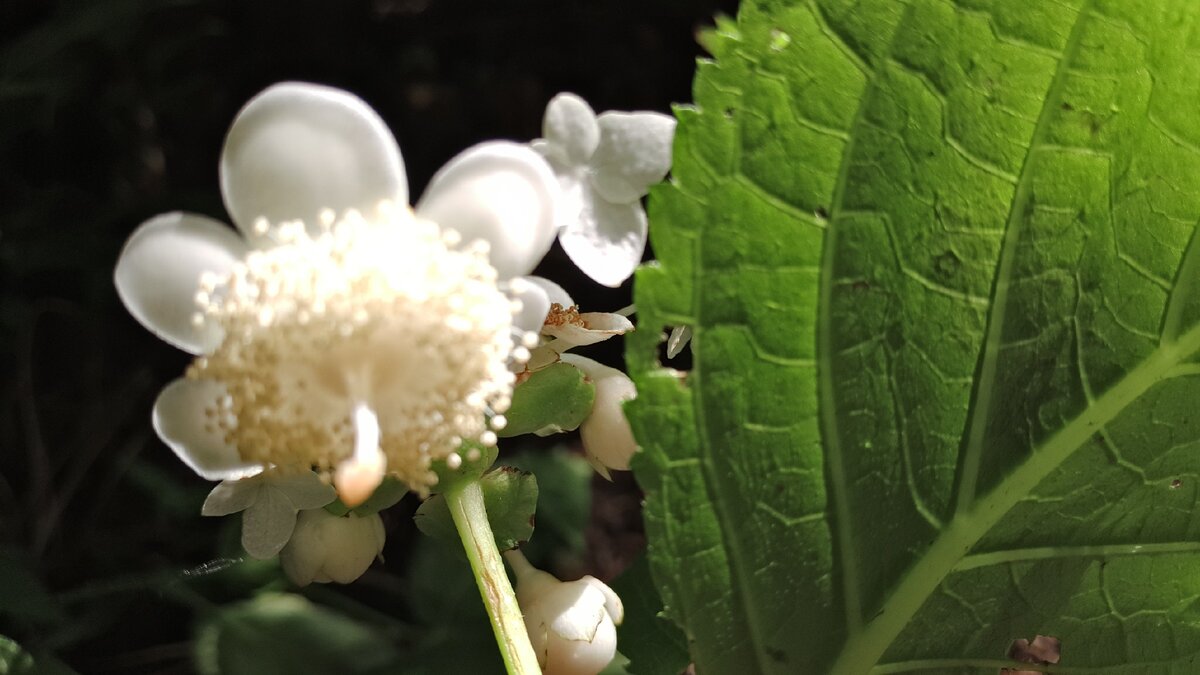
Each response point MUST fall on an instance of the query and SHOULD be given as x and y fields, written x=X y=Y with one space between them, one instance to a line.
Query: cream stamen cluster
x=370 y=346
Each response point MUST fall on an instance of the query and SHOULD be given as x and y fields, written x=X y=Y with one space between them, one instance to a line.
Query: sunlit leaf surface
x=939 y=260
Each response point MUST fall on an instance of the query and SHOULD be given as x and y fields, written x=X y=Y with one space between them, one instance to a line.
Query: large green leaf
x=939 y=259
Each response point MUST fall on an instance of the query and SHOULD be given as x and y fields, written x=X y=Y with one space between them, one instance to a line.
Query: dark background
x=114 y=110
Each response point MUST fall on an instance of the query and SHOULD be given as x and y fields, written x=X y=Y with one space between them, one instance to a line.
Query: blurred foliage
x=114 y=110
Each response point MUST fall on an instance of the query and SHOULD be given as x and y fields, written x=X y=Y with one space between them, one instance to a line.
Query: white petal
x=607 y=241
x=502 y=193
x=180 y=421
x=535 y=304
x=612 y=602
x=297 y=149
x=159 y=270
x=267 y=525
x=231 y=496
x=576 y=608
x=634 y=153
x=570 y=125
x=680 y=336
x=597 y=327
x=305 y=490
x=554 y=292
x=605 y=433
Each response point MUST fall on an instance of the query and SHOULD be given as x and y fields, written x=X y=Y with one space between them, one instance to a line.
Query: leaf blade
x=1004 y=314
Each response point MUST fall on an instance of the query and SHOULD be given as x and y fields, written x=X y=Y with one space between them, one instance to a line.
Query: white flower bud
x=327 y=548
x=607 y=438
x=572 y=624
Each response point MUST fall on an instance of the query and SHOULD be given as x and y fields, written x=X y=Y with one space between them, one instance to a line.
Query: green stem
x=470 y=517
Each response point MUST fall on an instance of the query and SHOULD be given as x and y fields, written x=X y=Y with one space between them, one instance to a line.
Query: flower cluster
x=341 y=336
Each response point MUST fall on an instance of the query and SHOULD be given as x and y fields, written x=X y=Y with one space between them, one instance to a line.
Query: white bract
x=605 y=165
x=338 y=329
x=329 y=548
x=607 y=438
x=572 y=624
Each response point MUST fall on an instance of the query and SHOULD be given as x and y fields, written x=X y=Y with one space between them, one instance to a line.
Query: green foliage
x=16 y=661
x=287 y=634
x=651 y=643
x=940 y=261
x=511 y=498
x=564 y=505
x=556 y=398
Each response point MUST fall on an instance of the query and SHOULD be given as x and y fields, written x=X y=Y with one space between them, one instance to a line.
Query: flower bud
x=327 y=548
x=607 y=438
x=572 y=624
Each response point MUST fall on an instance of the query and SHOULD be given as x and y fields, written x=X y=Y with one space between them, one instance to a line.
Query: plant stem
x=470 y=517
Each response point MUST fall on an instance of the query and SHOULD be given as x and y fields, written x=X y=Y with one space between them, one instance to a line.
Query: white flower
x=564 y=327
x=607 y=438
x=338 y=329
x=605 y=165
x=571 y=625
x=328 y=548
x=270 y=502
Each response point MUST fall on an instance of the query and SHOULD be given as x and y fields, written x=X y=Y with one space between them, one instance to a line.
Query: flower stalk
x=465 y=500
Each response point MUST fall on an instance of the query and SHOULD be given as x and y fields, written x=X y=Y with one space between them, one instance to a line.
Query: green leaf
x=288 y=634
x=511 y=500
x=653 y=645
x=941 y=266
x=564 y=504
x=556 y=398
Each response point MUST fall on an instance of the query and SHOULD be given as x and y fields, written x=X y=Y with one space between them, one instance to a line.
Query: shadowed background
x=112 y=111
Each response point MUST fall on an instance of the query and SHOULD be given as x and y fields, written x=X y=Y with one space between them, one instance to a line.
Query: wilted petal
x=597 y=327
x=502 y=193
x=267 y=525
x=159 y=270
x=297 y=149
x=231 y=496
x=634 y=153
x=607 y=241
x=570 y=127
x=181 y=422
x=535 y=304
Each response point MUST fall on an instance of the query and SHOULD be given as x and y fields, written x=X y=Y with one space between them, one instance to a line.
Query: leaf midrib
x=980 y=411
x=863 y=651
x=974 y=518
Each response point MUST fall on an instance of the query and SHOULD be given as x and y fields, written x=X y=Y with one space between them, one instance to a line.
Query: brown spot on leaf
x=1176 y=484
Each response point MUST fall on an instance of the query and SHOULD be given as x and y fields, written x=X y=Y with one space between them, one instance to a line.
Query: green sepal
x=510 y=496
x=469 y=469
x=554 y=399
x=390 y=491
